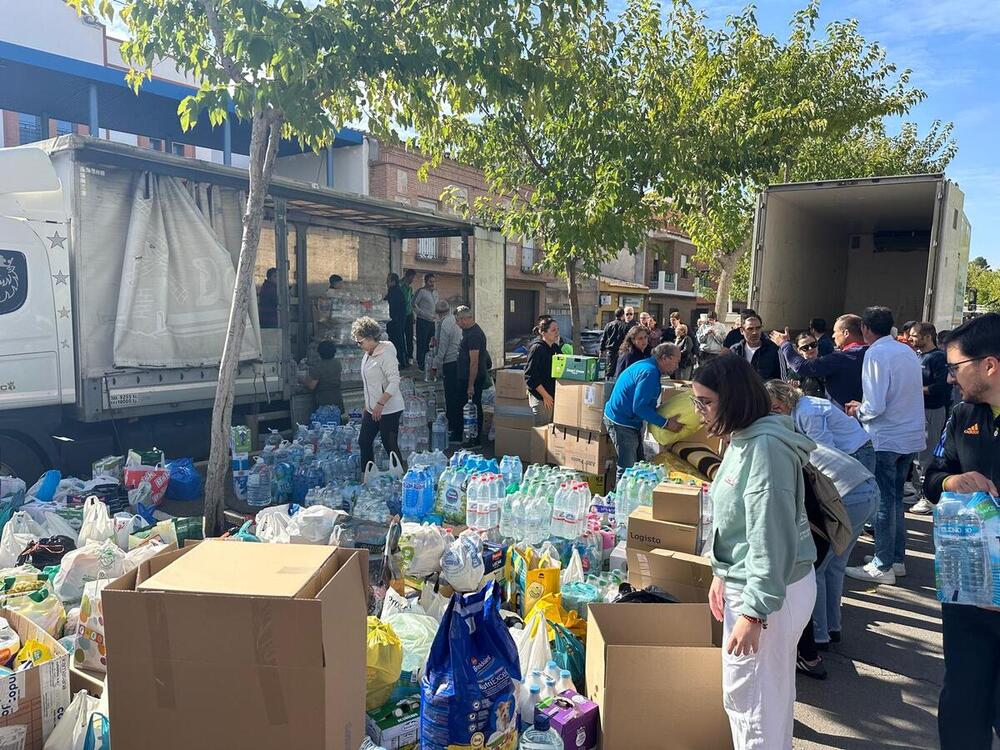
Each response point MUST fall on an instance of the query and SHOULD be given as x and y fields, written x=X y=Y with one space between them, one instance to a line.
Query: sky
x=950 y=46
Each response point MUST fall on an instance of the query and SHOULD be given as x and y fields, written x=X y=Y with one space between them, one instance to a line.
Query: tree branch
x=227 y=62
x=522 y=138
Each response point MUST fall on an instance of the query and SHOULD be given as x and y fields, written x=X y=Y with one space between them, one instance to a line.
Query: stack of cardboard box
x=577 y=437
x=516 y=434
x=673 y=522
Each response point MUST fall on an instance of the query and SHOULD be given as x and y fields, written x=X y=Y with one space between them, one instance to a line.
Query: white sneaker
x=898 y=568
x=871 y=574
x=923 y=507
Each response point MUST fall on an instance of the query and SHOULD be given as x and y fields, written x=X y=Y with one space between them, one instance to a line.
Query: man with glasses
x=937 y=396
x=762 y=353
x=968 y=460
x=839 y=371
x=892 y=410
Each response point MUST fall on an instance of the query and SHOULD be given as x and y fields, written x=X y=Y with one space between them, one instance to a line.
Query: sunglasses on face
x=808 y=347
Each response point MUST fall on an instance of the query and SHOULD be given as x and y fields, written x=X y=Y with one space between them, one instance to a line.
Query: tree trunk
x=574 y=304
x=727 y=264
x=264 y=136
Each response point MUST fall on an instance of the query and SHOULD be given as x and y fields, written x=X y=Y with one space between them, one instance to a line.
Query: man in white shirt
x=710 y=336
x=893 y=414
x=445 y=361
x=424 y=301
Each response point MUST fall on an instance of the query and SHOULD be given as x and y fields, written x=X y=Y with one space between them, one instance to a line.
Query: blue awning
x=36 y=82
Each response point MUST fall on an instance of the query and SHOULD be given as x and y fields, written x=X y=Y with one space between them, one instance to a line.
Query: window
x=511 y=254
x=63 y=127
x=155 y=144
x=29 y=128
x=177 y=149
x=13 y=281
x=684 y=261
x=528 y=258
x=427 y=247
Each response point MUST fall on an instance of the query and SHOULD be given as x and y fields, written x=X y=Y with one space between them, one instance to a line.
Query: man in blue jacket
x=633 y=401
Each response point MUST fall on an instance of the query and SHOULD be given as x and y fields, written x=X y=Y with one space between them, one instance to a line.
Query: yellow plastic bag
x=530 y=577
x=385 y=662
x=551 y=607
x=678 y=405
x=41 y=606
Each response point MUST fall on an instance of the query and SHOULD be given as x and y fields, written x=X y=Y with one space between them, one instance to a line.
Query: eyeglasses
x=808 y=347
x=953 y=367
x=700 y=405
x=359 y=342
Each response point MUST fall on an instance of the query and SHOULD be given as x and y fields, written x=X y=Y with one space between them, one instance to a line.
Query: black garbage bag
x=628 y=594
x=47 y=551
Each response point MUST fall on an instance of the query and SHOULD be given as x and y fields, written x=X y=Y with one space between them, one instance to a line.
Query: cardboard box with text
x=272 y=634
x=646 y=533
x=581 y=405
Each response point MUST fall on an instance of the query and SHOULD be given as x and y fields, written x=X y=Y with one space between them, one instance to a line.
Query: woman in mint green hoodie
x=762 y=551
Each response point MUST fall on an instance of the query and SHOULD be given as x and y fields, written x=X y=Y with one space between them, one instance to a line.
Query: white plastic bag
x=272 y=524
x=313 y=525
x=70 y=733
x=416 y=633
x=87 y=563
x=533 y=650
x=126 y=524
x=20 y=531
x=138 y=555
x=572 y=573
x=421 y=546
x=97 y=524
x=434 y=602
x=462 y=563
x=397 y=604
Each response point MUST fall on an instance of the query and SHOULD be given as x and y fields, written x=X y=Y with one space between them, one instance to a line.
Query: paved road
x=884 y=678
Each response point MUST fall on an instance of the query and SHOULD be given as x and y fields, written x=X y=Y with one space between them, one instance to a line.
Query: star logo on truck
x=56 y=241
x=60 y=278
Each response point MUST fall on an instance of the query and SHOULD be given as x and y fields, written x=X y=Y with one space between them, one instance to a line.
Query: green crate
x=189 y=529
x=574 y=367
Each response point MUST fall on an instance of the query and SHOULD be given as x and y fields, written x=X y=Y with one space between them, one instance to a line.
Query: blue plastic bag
x=468 y=693
x=185 y=481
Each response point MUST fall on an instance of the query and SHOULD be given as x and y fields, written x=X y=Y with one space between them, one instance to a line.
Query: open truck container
x=79 y=381
x=822 y=249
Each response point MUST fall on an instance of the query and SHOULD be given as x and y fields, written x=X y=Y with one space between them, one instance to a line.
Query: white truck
x=822 y=249
x=116 y=272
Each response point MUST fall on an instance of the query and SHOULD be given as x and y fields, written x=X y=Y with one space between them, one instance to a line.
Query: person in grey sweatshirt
x=762 y=551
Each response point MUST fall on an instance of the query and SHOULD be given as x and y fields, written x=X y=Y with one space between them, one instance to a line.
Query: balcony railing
x=663 y=281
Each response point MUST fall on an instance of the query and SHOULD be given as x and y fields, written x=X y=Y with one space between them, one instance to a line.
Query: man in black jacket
x=937 y=396
x=614 y=335
x=840 y=371
x=968 y=460
x=762 y=354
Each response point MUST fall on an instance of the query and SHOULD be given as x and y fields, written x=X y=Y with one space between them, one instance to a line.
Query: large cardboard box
x=508 y=412
x=646 y=533
x=687 y=577
x=510 y=385
x=655 y=672
x=581 y=404
x=33 y=700
x=583 y=450
x=270 y=634
x=529 y=444
x=680 y=503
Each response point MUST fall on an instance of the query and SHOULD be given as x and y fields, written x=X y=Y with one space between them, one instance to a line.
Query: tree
x=986 y=283
x=754 y=107
x=566 y=153
x=298 y=69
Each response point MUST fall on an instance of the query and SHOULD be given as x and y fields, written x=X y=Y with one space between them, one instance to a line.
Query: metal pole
x=329 y=166
x=465 y=269
x=227 y=141
x=92 y=113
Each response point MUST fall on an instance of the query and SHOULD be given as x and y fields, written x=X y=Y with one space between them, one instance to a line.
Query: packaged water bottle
x=470 y=422
x=281 y=483
x=527 y=709
x=439 y=432
x=412 y=491
x=961 y=560
x=552 y=671
x=259 y=484
x=565 y=682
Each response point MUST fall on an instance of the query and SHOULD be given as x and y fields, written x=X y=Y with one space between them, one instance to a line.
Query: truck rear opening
x=825 y=249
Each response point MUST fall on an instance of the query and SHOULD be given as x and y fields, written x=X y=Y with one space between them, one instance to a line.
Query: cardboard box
x=602 y=484
x=529 y=444
x=513 y=413
x=680 y=503
x=33 y=700
x=575 y=720
x=582 y=450
x=654 y=671
x=687 y=577
x=271 y=633
x=574 y=367
x=510 y=385
x=394 y=732
x=581 y=404
x=646 y=533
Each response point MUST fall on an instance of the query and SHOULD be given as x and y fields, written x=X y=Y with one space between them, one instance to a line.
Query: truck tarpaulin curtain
x=176 y=283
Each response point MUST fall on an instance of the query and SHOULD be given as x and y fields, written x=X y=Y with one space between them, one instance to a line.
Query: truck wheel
x=19 y=460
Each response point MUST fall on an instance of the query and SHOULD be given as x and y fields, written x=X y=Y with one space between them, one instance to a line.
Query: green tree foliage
x=986 y=283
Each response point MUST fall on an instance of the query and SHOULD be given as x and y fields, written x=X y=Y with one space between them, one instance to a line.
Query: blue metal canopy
x=36 y=82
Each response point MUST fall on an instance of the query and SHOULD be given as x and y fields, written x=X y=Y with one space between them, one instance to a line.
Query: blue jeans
x=865 y=455
x=860 y=504
x=628 y=446
x=890 y=520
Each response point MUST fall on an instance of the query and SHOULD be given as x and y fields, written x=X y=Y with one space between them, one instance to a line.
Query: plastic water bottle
x=530 y=702
x=565 y=682
x=470 y=422
x=549 y=691
x=259 y=484
x=281 y=482
x=552 y=671
x=961 y=559
x=472 y=503
x=439 y=432
x=540 y=736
